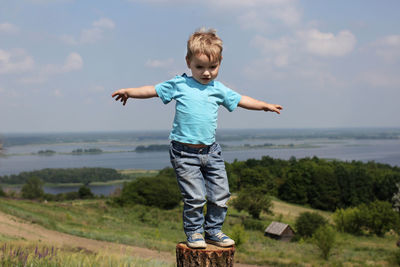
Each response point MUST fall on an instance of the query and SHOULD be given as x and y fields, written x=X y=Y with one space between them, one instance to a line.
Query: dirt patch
x=14 y=227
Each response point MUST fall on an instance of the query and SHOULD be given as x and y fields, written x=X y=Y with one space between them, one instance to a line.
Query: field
x=159 y=231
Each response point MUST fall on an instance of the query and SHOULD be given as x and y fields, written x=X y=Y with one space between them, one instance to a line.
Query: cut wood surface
x=212 y=256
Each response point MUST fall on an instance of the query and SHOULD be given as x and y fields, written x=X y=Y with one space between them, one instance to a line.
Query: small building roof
x=276 y=228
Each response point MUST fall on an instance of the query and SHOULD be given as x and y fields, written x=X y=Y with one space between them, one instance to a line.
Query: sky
x=328 y=63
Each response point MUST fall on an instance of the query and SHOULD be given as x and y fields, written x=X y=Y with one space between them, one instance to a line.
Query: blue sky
x=329 y=63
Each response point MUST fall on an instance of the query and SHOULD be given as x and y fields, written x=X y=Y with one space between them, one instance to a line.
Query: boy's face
x=203 y=69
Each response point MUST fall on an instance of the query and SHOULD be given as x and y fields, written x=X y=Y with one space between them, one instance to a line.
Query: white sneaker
x=220 y=239
x=196 y=240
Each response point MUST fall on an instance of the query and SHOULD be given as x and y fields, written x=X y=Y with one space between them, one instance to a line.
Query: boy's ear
x=187 y=62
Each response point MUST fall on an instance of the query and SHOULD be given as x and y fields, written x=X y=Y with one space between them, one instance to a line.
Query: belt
x=195 y=150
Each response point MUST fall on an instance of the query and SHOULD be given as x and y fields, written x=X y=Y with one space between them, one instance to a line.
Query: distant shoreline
x=19 y=139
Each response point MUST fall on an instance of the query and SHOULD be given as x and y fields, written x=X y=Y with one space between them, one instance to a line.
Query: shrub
x=253 y=224
x=33 y=188
x=324 y=238
x=348 y=220
x=160 y=191
x=238 y=234
x=377 y=217
x=2 y=193
x=308 y=222
x=84 y=192
x=396 y=257
x=253 y=201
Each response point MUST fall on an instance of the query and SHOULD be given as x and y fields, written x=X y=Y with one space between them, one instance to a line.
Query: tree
x=396 y=199
x=377 y=217
x=33 y=188
x=308 y=222
x=84 y=192
x=253 y=200
x=323 y=192
x=160 y=191
x=380 y=217
x=2 y=193
x=324 y=238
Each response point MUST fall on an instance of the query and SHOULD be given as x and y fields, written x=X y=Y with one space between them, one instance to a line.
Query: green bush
x=238 y=234
x=396 y=257
x=308 y=222
x=84 y=192
x=349 y=220
x=377 y=217
x=324 y=238
x=253 y=201
x=2 y=193
x=253 y=224
x=161 y=191
x=33 y=188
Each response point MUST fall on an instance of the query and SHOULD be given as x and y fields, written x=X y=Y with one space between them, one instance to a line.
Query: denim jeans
x=202 y=179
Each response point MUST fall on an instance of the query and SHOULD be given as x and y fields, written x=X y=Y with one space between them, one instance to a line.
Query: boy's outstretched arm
x=254 y=104
x=139 y=92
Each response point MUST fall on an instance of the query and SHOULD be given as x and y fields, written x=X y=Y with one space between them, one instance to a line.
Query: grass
x=162 y=230
x=21 y=254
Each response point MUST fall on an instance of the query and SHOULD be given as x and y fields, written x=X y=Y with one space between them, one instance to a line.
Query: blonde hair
x=205 y=42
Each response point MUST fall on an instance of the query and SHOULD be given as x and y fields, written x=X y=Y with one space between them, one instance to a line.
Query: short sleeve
x=231 y=98
x=166 y=90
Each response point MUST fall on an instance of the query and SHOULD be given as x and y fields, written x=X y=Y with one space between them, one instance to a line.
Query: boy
x=196 y=158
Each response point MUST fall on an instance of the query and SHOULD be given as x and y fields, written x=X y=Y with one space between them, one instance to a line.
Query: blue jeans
x=201 y=175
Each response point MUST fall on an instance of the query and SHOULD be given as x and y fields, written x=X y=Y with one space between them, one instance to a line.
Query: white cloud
x=8 y=28
x=380 y=79
x=90 y=35
x=278 y=51
x=263 y=11
x=388 y=48
x=327 y=44
x=157 y=63
x=105 y=23
x=15 y=61
x=253 y=20
x=73 y=62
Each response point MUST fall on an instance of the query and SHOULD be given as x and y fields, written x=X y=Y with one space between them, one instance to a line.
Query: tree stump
x=212 y=256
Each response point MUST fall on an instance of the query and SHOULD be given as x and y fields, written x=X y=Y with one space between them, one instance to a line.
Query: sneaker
x=219 y=239
x=196 y=240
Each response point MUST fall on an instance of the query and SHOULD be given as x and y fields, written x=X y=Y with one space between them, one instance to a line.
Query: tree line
x=76 y=175
x=320 y=183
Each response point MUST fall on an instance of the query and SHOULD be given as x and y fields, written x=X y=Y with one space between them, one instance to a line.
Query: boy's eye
x=199 y=67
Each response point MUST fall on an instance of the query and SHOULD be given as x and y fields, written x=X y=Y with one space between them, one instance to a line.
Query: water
x=119 y=152
x=383 y=151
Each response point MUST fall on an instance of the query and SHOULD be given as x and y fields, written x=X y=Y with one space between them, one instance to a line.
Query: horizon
x=373 y=128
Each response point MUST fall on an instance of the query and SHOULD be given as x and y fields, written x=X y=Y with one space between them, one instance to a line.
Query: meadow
x=161 y=230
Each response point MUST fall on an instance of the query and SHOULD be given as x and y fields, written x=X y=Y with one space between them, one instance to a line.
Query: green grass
x=21 y=254
x=162 y=230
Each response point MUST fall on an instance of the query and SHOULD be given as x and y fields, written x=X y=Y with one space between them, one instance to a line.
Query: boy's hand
x=121 y=95
x=273 y=107
x=254 y=104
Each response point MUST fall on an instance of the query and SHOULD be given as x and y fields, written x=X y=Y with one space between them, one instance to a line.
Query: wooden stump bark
x=212 y=256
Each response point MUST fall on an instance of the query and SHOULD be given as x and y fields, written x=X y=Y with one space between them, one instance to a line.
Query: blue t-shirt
x=196 y=107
